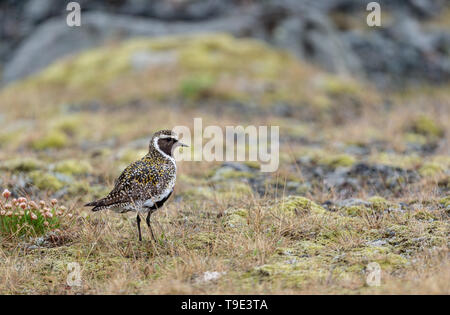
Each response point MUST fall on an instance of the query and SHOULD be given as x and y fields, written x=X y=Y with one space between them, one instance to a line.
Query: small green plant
x=196 y=87
x=23 y=217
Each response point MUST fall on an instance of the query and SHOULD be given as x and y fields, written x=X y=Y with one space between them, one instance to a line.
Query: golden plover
x=145 y=185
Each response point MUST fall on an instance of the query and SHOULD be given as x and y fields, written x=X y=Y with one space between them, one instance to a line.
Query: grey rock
x=357 y=150
x=228 y=167
x=408 y=32
x=292 y=185
x=377 y=179
x=390 y=233
x=339 y=178
x=426 y=8
x=240 y=167
x=39 y=241
x=57 y=39
x=33 y=33
x=38 y=10
x=292 y=261
x=64 y=178
x=352 y=202
x=313 y=37
x=377 y=243
x=402 y=53
x=187 y=10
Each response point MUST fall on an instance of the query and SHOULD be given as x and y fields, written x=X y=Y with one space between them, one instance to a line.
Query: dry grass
x=243 y=226
x=194 y=240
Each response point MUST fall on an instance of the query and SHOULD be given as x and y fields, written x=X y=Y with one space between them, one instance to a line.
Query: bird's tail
x=97 y=204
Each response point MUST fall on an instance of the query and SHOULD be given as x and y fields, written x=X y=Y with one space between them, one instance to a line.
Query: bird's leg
x=138 y=220
x=149 y=225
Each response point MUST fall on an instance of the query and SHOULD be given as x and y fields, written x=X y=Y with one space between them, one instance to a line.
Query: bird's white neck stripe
x=155 y=144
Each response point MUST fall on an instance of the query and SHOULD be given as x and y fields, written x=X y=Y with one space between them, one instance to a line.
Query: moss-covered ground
x=363 y=176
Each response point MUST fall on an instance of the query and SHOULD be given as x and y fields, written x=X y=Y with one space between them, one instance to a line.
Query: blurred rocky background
x=412 y=46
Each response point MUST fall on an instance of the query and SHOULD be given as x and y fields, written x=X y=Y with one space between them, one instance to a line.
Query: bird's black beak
x=181 y=144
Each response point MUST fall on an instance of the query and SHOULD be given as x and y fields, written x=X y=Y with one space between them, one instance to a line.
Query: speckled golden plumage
x=145 y=184
x=146 y=179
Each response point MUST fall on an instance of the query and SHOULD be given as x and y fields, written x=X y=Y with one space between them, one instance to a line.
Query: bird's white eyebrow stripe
x=167 y=136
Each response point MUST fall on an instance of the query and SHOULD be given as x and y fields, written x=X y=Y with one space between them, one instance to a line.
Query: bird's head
x=165 y=141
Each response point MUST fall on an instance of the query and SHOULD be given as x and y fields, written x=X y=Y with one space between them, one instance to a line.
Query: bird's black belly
x=160 y=203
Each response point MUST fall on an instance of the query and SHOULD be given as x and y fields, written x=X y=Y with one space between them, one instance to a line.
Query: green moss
x=233 y=190
x=411 y=137
x=196 y=87
x=445 y=201
x=232 y=174
x=26 y=164
x=297 y=205
x=442 y=160
x=285 y=251
x=253 y=164
x=382 y=255
x=322 y=102
x=11 y=136
x=340 y=160
x=424 y=125
x=54 y=139
x=95 y=67
x=227 y=173
x=312 y=154
x=407 y=240
x=354 y=210
x=335 y=86
x=430 y=169
x=198 y=193
x=294 y=274
x=95 y=191
x=240 y=212
x=45 y=181
x=70 y=125
x=73 y=167
x=394 y=261
x=424 y=215
x=220 y=54
x=437 y=165
x=397 y=160
x=200 y=61
x=192 y=67
x=292 y=179
x=293 y=129
x=223 y=191
x=201 y=240
x=235 y=218
x=79 y=189
x=310 y=248
x=379 y=203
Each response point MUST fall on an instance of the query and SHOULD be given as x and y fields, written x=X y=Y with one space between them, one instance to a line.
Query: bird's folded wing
x=137 y=181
